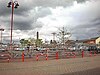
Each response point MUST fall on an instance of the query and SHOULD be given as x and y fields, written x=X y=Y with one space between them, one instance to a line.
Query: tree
x=31 y=41
x=23 y=42
x=38 y=42
x=63 y=35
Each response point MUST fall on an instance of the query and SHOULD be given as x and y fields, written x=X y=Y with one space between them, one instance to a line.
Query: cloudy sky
x=80 y=17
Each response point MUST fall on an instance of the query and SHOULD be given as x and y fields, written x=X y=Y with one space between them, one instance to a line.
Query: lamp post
x=1 y=29
x=13 y=4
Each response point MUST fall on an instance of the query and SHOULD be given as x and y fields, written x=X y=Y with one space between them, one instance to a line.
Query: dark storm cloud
x=52 y=3
x=80 y=1
x=25 y=7
x=87 y=30
x=22 y=25
x=5 y=11
x=24 y=10
x=92 y=24
x=55 y=3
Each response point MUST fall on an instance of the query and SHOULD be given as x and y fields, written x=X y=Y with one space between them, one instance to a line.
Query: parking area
x=77 y=66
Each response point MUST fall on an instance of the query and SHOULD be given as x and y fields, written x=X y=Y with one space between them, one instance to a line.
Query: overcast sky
x=80 y=17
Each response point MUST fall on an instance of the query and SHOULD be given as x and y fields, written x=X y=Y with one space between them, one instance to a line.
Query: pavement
x=73 y=66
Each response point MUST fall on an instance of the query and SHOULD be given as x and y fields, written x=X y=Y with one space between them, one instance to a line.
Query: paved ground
x=74 y=66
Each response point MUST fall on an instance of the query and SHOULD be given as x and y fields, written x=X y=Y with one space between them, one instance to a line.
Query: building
x=98 y=41
x=95 y=40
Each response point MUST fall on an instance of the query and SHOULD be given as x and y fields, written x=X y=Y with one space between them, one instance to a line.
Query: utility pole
x=12 y=4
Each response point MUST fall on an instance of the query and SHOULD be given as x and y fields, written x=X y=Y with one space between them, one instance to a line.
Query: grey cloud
x=26 y=6
x=87 y=30
x=5 y=11
x=31 y=23
x=97 y=19
x=23 y=25
x=27 y=25
x=54 y=3
x=40 y=12
x=37 y=25
x=43 y=12
x=80 y=1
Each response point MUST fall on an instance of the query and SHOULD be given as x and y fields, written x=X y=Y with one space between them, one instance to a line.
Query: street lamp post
x=13 y=4
x=1 y=29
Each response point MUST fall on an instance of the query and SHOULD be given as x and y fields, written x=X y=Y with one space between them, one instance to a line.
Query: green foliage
x=23 y=42
x=38 y=42
x=31 y=41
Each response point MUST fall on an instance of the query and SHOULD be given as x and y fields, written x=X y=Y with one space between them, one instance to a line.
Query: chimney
x=37 y=35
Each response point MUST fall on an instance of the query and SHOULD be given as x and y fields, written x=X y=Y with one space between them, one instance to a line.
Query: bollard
x=56 y=55
x=82 y=53
x=22 y=56
x=37 y=58
x=46 y=57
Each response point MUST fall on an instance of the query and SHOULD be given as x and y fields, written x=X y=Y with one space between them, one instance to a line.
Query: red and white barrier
x=94 y=53
x=74 y=55
x=37 y=56
x=70 y=55
x=67 y=54
x=90 y=53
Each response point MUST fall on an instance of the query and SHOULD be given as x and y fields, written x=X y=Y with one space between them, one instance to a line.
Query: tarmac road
x=74 y=66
